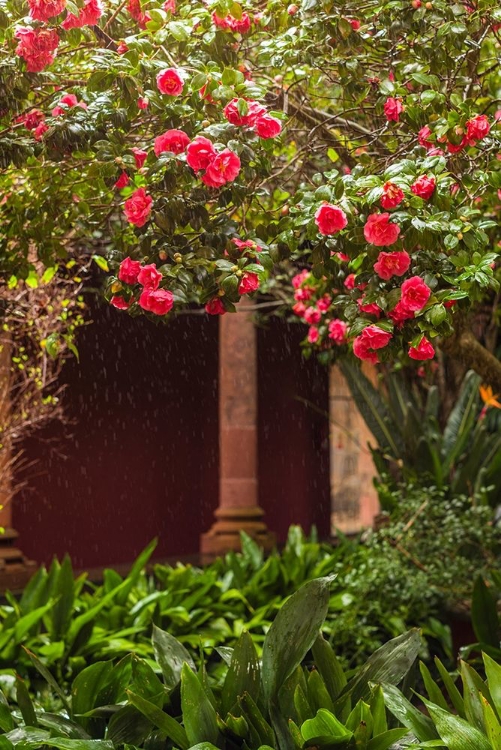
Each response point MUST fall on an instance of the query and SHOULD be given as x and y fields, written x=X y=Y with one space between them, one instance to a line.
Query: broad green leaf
x=170 y=655
x=243 y=675
x=407 y=714
x=434 y=692
x=456 y=732
x=48 y=677
x=63 y=607
x=324 y=724
x=329 y=667
x=160 y=719
x=493 y=673
x=25 y=703
x=87 y=685
x=452 y=691
x=199 y=716
x=492 y=727
x=484 y=614
x=386 y=739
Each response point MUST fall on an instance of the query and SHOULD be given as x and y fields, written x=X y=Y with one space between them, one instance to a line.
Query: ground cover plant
x=192 y=146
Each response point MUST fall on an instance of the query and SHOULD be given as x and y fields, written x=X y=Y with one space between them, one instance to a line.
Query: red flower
x=120 y=303
x=292 y=9
x=379 y=231
x=42 y=10
x=122 y=181
x=149 y=277
x=371 y=339
x=313 y=335
x=40 y=130
x=423 y=136
x=354 y=23
x=245 y=244
x=349 y=282
x=267 y=126
x=89 y=15
x=312 y=315
x=200 y=153
x=477 y=128
x=37 y=47
x=129 y=270
x=248 y=283
x=138 y=207
x=330 y=219
x=371 y=308
x=240 y=25
x=224 y=168
x=362 y=351
x=134 y=8
x=170 y=82
x=415 y=294
x=392 y=195
x=157 y=301
x=299 y=308
x=424 y=186
x=140 y=156
x=392 y=109
x=337 y=331
x=324 y=303
x=143 y=102
x=122 y=48
x=32 y=120
x=170 y=6
x=215 y=306
x=300 y=278
x=174 y=141
x=424 y=350
x=392 y=264
x=254 y=110
x=400 y=313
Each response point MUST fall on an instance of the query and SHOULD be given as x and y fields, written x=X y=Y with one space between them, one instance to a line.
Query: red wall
x=142 y=459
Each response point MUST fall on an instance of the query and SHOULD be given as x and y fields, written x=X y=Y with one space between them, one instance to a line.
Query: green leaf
x=493 y=673
x=25 y=703
x=63 y=607
x=329 y=667
x=100 y=261
x=160 y=719
x=324 y=724
x=386 y=739
x=408 y=715
x=48 y=677
x=87 y=685
x=456 y=732
x=484 y=615
x=491 y=724
x=293 y=633
x=243 y=675
x=452 y=691
x=199 y=716
x=170 y=655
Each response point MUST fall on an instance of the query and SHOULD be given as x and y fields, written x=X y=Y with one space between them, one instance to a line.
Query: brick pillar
x=15 y=569
x=238 y=485
x=354 y=502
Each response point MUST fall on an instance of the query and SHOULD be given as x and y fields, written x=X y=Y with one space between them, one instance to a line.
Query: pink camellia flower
x=221 y=23
x=379 y=231
x=240 y=25
x=143 y=102
x=134 y=8
x=129 y=270
x=400 y=313
x=120 y=303
x=455 y=148
x=37 y=47
x=224 y=168
x=254 y=110
x=138 y=207
x=292 y=9
x=349 y=282
x=312 y=315
x=392 y=195
x=337 y=331
x=140 y=156
x=149 y=276
x=343 y=257
x=157 y=301
x=300 y=278
x=200 y=153
x=170 y=82
x=354 y=23
x=39 y=131
x=246 y=245
x=299 y=308
x=392 y=109
x=122 y=181
x=89 y=15
x=122 y=48
x=424 y=350
x=477 y=128
x=424 y=186
x=370 y=340
x=169 y=6
x=174 y=141
x=371 y=308
x=415 y=294
x=392 y=264
x=362 y=351
x=248 y=283
x=267 y=126
x=69 y=100
x=330 y=219
x=324 y=303
x=303 y=294
x=423 y=136
x=32 y=119
x=42 y=10
x=215 y=306
x=313 y=335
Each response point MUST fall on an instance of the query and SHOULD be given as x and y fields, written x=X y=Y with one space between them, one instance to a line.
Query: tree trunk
x=465 y=348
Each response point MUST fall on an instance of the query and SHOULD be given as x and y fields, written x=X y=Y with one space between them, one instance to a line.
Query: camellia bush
x=193 y=146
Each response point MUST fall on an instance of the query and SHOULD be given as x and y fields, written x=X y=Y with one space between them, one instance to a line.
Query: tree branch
x=465 y=348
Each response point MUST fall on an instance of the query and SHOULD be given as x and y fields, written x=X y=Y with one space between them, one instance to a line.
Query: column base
x=224 y=536
x=15 y=569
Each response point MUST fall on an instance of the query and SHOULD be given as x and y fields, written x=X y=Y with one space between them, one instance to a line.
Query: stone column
x=354 y=502
x=238 y=484
x=15 y=569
